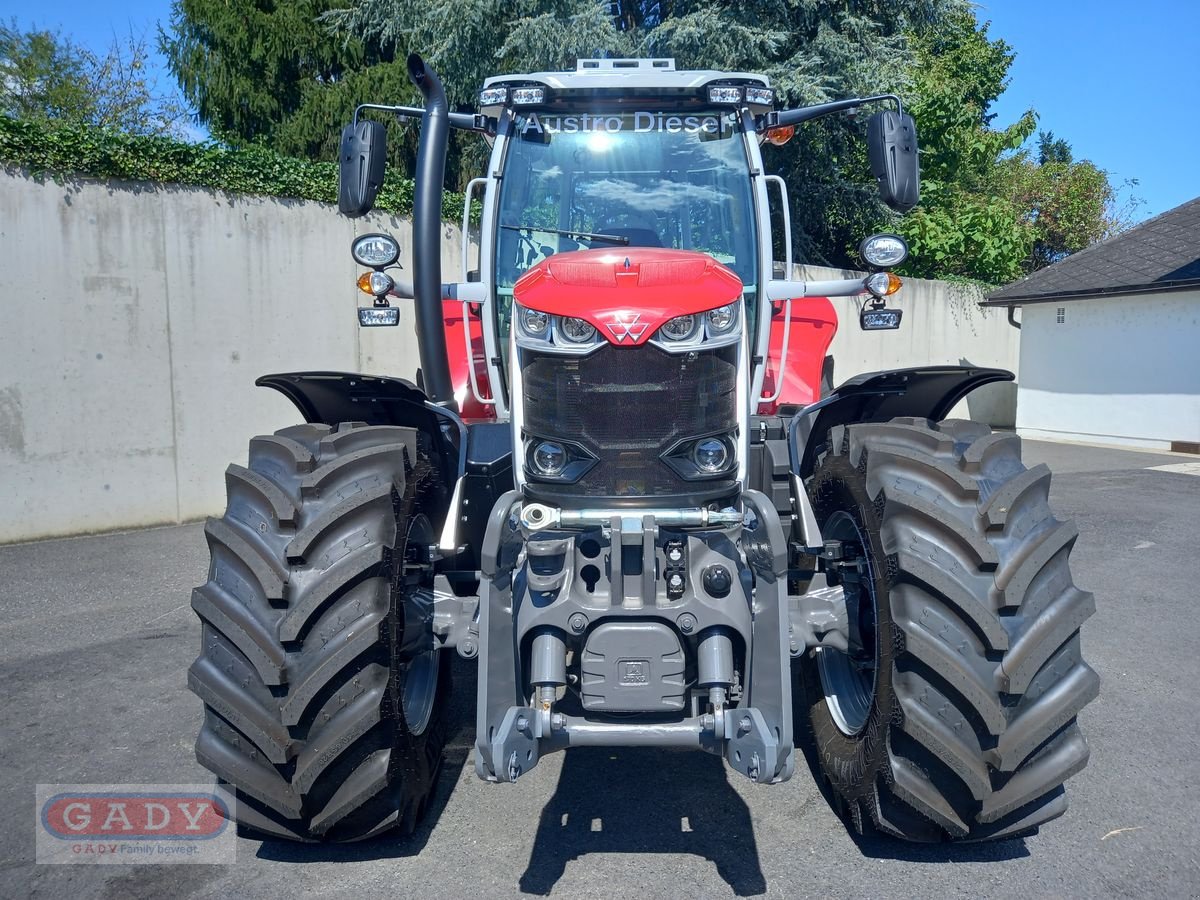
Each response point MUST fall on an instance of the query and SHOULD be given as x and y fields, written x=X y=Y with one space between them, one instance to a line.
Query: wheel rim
x=849 y=678
x=422 y=670
x=420 y=690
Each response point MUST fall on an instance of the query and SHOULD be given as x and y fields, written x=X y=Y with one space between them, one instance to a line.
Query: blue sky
x=1117 y=80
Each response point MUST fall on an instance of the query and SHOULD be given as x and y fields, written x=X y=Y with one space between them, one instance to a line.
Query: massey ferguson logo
x=633 y=672
x=627 y=327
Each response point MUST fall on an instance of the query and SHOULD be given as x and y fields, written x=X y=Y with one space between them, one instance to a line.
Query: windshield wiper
x=586 y=235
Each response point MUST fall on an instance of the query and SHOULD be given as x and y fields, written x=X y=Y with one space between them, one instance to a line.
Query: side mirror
x=361 y=161
x=892 y=148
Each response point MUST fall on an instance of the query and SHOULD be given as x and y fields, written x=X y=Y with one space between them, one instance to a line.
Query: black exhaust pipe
x=427 y=222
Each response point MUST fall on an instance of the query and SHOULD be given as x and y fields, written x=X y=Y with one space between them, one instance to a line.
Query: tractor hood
x=626 y=293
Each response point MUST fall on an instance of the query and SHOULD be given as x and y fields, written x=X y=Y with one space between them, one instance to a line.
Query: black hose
x=427 y=222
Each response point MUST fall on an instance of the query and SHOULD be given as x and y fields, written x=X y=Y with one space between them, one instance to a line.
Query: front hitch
x=674 y=622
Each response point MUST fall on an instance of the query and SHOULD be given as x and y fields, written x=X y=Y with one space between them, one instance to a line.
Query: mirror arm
x=454 y=292
x=472 y=122
x=402 y=290
x=780 y=289
x=404 y=112
x=786 y=117
x=462 y=121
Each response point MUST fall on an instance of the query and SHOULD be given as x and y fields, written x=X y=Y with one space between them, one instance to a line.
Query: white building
x=1110 y=339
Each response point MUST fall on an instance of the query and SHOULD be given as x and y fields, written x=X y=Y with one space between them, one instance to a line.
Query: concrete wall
x=942 y=324
x=134 y=319
x=1120 y=371
x=133 y=322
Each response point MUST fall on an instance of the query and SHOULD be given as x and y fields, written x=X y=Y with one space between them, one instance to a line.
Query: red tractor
x=619 y=487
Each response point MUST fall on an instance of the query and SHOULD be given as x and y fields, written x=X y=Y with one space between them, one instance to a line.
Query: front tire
x=323 y=699
x=961 y=723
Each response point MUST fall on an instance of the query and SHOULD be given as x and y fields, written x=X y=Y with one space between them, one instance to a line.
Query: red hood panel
x=627 y=293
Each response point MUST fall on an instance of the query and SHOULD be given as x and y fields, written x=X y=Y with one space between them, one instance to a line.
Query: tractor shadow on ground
x=619 y=800
x=876 y=846
x=393 y=845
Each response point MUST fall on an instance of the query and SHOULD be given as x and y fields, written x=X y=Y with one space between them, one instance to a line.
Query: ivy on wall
x=64 y=149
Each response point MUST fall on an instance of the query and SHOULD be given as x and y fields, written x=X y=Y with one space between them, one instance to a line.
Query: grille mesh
x=628 y=405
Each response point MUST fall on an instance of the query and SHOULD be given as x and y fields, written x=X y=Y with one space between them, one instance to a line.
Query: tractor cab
x=594 y=168
x=625 y=154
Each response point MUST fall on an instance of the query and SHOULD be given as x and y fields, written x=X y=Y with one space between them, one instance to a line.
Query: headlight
x=524 y=96
x=375 y=250
x=724 y=94
x=711 y=456
x=712 y=328
x=680 y=328
x=884 y=250
x=375 y=316
x=547 y=333
x=549 y=458
x=557 y=460
x=577 y=331
x=701 y=459
x=883 y=284
x=760 y=96
x=534 y=322
x=375 y=283
x=721 y=319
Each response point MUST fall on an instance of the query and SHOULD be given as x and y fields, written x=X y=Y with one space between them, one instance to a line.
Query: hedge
x=66 y=149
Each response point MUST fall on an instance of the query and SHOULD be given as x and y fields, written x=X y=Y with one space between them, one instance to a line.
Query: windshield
x=642 y=179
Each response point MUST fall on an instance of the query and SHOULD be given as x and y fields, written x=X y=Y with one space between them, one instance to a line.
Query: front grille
x=628 y=405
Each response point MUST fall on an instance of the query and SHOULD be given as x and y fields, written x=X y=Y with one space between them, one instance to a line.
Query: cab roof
x=636 y=74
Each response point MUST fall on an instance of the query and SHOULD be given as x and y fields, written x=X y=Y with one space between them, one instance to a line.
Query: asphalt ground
x=97 y=635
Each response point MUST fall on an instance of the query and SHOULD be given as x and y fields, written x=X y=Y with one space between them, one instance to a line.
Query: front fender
x=927 y=392
x=333 y=397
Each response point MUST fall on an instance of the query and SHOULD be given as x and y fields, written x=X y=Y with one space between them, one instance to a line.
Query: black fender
x=927 y=392
x=333 y=397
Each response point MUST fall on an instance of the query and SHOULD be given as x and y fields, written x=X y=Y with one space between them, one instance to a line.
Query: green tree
x=1067 y=204
x=41 y=76
x=264 y=73
x=1052 y=149
x=289 y=75
x=812 y=52
x=991 y=209
x=967 y=224
x=466 y=41
x=44 y=75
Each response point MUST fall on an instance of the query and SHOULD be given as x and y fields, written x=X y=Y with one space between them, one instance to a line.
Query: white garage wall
x=943 y=324
x=133 y=322
x=1120 y=371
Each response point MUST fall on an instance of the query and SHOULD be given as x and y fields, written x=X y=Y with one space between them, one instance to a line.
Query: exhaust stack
x=427 y=220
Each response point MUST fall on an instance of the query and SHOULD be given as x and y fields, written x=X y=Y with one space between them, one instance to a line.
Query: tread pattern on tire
x=989 y=679
x=297 y=669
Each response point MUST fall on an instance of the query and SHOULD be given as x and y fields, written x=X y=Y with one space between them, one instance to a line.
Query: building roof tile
x=1160 y=254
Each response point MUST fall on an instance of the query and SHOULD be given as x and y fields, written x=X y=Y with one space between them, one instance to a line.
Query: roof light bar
x=760 y=96
x=493 y=96
x=724 y=94
x=737 y=95
x=527 y=96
